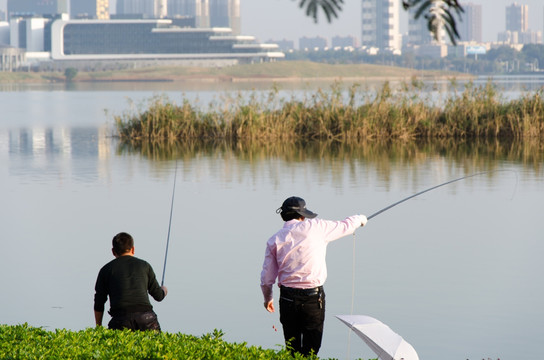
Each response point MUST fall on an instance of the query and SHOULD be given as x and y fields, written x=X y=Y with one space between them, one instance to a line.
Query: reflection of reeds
x=474 y=154
x=477 y=112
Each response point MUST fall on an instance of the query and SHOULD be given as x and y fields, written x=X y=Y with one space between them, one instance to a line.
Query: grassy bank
x=476 y=113
x=30 y=343
x=279 y=71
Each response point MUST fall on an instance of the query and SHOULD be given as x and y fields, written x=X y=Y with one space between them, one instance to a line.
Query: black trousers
x=135 y=321
x=302 y=317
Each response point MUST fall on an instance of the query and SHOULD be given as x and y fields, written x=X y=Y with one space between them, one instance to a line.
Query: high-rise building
x=161 y=9
x=381 y=24
x=517 y=18
x=306 y=43
x=38 y=7
x=145 y=8
x=470 y=26
x=199 y=9
x=343 y=41
x=418 y=32
x=95 y=9
x=209 y=13
x=225 y=13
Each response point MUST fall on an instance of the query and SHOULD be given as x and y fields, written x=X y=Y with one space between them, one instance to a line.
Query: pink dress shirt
x=295 y=255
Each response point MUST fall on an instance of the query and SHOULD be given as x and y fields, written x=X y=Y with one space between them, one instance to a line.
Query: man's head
x=294 y=208
x=122 y=244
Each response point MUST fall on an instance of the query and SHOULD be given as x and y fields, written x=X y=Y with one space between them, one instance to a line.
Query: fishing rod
x=432 y=188
x=395 y=204
x=169 y=223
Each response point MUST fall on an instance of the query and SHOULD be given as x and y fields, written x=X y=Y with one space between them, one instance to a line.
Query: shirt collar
x=290 y=223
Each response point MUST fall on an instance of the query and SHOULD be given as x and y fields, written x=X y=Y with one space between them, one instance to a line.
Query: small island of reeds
x=352 y=116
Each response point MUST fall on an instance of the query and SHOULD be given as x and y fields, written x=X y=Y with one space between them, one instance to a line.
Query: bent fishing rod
x=169 y=223
x=431 y=188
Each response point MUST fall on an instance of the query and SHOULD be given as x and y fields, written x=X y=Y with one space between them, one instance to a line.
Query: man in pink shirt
x=295 y=255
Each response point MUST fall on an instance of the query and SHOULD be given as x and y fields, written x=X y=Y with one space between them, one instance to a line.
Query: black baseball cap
x=296 y=205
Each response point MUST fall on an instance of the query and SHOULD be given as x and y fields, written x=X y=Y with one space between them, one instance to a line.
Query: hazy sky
x=279 y=19
x=283 y=19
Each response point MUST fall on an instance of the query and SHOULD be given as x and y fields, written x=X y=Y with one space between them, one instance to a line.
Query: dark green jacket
x=126 y=280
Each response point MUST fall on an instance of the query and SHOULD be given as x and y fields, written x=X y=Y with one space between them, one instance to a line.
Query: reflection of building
x=84 y=152
x=381 y=25
x=152 y=39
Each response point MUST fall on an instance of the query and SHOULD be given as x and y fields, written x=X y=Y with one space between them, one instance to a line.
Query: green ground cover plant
x=31 y=343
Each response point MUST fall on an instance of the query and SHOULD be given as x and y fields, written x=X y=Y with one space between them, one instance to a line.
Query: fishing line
x=169 y=223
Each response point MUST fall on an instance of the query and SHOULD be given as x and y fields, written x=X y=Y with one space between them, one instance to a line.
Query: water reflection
x=42 y=153
x=459 y=256
x=483 y=154
x=50 y=152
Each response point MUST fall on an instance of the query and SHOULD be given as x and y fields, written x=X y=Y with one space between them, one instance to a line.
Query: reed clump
x=352 y=116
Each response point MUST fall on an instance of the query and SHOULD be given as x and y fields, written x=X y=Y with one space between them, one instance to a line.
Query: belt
x=300 y=292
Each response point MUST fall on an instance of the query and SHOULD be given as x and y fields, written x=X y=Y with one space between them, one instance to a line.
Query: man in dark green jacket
x=127 y=281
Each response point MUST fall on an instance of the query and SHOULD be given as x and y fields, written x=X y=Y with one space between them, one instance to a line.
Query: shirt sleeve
x=269 y=272
x=336 y=229
x=154 y=288
x=101 y=293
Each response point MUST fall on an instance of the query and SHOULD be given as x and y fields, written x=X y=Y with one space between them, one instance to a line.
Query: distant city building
x=517 y=18
x=344 y=41
x=92 y=9
x=284 y=45
x=38 y=7
x=11 y=58
x=225 y=13
x=306 y=43
x=470 y=24
x=4 y=33
x=418 y=33
x=517 y=27
x=530 y=37
x=198 y=9
x=381 y=25
x=508 y=37
x=33 y=33
x=3 y=15
x=93 y=40
x=136 y=7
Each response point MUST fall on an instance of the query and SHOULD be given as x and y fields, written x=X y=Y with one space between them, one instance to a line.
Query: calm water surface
x=456 y=271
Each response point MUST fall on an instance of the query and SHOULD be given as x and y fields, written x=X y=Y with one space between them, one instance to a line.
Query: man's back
x=127 y=281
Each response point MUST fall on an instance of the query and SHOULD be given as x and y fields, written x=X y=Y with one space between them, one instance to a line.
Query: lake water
x=455 y=271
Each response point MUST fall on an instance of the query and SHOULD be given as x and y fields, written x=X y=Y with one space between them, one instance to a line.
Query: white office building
x=381 y=25
x=157 y=39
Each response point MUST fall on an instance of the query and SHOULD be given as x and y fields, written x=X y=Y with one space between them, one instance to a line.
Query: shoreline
x=281 y=72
